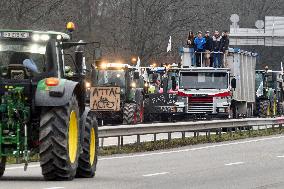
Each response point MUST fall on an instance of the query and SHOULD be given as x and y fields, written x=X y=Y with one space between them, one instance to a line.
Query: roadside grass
x=188 y=141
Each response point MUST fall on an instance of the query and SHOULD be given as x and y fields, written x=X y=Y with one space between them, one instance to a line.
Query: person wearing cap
x=225 y=47
x=217 y=49
x=199 y=48
x=208 y=48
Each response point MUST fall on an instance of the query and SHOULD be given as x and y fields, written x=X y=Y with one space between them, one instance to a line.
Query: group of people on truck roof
x=209 y=51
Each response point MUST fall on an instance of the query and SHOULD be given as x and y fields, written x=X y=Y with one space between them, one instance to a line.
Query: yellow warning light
x=70 y=26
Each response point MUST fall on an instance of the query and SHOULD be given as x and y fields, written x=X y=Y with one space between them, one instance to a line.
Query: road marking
x=280 y=156
x=192 y=149
x=55 y=188
x=22 y=167
x=155 y=174
x=235 y=163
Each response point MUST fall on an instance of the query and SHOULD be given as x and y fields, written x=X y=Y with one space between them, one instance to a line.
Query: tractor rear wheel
x=129 y=113
x=88 y=159
x=59 y=141
x=2 y=166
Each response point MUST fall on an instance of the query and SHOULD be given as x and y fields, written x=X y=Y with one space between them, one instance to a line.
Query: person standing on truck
x=217 y=49
x=208 y=48
x=190 y=44
x=225 y=48
x=199 y=48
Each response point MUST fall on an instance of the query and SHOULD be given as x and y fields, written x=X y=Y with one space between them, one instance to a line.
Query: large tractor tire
x=263 y=108
x=2 y=166
x=90 y=144
x=129 y=114
x=60 y=141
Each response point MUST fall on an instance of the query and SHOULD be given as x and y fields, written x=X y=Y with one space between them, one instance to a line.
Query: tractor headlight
x=88 y=85
x=133 y=85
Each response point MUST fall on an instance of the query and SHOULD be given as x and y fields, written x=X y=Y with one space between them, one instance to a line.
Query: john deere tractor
x=42 y=107
x=269 y=93
x=117 y=95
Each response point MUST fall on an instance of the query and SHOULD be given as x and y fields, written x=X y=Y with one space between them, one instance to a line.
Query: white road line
x=235 y=163
x=155 y=174
x=280 y=156
x=55 y=188
x=192 y=149
x=22 y=167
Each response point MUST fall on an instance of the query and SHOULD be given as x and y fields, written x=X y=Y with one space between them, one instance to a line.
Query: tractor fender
x=54 y=96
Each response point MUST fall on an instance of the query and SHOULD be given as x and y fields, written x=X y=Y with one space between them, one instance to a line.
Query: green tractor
x=117 y=94
x=269 y=93
x=43 y=107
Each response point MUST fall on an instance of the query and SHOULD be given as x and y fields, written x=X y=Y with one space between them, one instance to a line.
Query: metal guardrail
x=157 y=128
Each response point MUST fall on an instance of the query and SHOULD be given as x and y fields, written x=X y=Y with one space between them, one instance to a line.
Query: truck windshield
x=203 y=80
x=111 y=77
x=21 y=56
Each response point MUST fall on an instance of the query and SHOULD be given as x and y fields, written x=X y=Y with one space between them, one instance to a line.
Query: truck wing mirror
x=234 y=83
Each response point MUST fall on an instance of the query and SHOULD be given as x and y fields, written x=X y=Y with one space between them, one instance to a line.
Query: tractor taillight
x=52 y=81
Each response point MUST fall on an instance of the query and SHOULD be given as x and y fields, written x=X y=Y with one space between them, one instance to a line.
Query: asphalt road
x=253 y=163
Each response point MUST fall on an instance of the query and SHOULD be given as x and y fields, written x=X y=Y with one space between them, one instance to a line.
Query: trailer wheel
x=88 y=159
x=59 y=141
x=2 y=166
x=129 y=113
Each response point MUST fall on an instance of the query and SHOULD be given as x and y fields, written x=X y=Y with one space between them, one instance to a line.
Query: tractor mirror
x=136 y=75
x=234 y=83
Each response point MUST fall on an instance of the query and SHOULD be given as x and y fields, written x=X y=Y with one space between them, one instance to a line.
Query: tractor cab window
x=111 y=78
x=22 y=59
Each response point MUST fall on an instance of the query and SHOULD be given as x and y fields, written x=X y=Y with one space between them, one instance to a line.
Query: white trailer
x=242 y=65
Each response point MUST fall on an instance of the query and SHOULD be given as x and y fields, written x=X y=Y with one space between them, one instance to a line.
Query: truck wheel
x=129 y=114
x=2 y=166
x=59 y=141
x=88 y=159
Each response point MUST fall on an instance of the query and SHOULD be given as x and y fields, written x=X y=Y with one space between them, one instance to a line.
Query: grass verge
x=175 y=143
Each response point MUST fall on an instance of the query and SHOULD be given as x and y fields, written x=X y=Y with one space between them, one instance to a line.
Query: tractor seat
x=17 y=71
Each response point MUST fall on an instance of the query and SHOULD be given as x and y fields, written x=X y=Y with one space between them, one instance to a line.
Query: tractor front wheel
x=59 y=141
x=90 y=144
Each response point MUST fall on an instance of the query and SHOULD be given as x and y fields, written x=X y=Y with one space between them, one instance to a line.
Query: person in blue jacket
x=199 y=43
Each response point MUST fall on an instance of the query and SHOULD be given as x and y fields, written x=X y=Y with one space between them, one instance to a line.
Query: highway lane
x=251 y=163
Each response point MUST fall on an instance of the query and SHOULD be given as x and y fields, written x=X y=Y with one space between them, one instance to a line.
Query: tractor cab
x=117 y=93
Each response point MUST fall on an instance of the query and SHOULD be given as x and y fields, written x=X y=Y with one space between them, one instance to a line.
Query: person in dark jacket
x=199 y=48
x=217 y=49
x=190 y=44
x=190 y=39
x=225 y=48
x=208 y=48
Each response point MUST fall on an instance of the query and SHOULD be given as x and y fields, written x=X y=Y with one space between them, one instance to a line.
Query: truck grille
x=200 y=105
